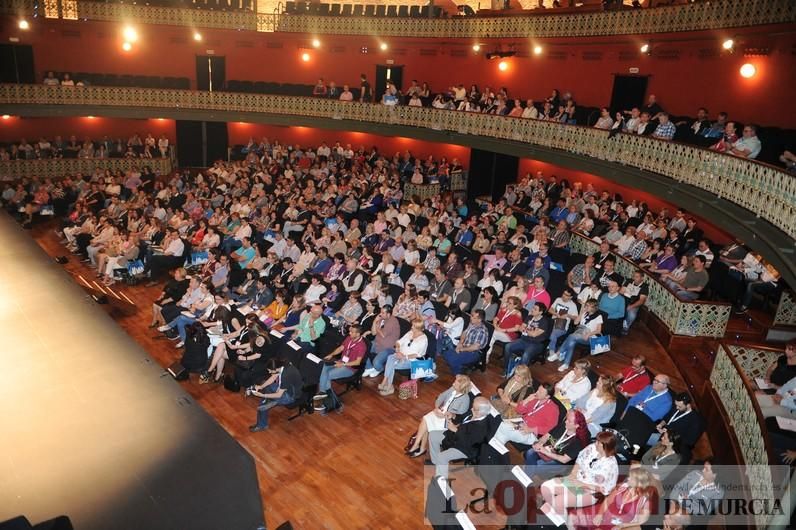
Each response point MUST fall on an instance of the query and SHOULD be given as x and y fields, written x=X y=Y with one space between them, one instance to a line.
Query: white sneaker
x=563 y=368
x=370 y=372
x=552 y=357
x=179 y=345
x=164 y=329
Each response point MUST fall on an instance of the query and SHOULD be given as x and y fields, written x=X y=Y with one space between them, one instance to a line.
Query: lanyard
x=635 y=375
x=676 y=416
x=536 y=408
x=504 y=317
x=350 y=347
x=696 y=488
x=561 y=441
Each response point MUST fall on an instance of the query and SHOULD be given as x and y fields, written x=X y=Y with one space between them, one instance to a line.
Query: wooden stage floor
x=344 y=471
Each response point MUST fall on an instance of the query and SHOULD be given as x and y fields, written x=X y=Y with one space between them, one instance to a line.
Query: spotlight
x=537 y=50
x=748 y=70
x=127 y=46
x=316 y=43
x=90 y=117
x=476 y=48
x=728 y=44
x=6 y=117
x=383 y=46
x=503 y=66
x=24 y=24
x=130 y=34
x=197 y=36
x=305 y=57
x=645 y=48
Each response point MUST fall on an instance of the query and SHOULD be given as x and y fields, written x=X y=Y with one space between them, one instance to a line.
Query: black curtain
x=205 y=64
x=16 y=64
x=489 y=173
x=396 y=75
x=217 y=141
x=200 y=143
x=628 y=92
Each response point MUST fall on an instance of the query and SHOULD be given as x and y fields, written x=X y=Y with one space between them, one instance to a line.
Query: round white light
x=305 y=57
x=197 y=36
x=503 y=66
x=748 y=70
x=476 y=47
x=6 y=117
x=645 y=48
x=316 y=43
x=537 y=50
x=383 y=46
x=728 y=44
x=24 y=24
x=127 y=46
x=130 y=34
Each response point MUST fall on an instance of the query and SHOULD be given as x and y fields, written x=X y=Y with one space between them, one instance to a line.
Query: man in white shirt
x=235 y=240
x=749 y=145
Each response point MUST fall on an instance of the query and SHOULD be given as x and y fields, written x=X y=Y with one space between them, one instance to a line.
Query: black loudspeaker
x=178 y=371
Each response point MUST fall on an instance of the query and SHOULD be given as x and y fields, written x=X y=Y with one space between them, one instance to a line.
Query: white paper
x=786 y=423
x=312 y=357
x=465 y=521
x=493 y=412
x=245 y=309
x=761 y=384
x=514 y=420
x=474 y=389
x=443 y=485
x=276 y=334
x=293 y=345
x=523 y=477
x=498 y=446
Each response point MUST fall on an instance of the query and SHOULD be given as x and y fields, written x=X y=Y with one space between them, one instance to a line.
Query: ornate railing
x=693 y=319
x=55 y=168
x=754 y=361
x=765 y=190
x=738 y=400
x=786 y=310
x=689 y=17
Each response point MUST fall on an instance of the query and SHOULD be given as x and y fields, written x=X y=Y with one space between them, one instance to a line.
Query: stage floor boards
x=344 y=471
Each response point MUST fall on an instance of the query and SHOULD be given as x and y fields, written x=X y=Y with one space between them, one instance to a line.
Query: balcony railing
x=767 y=191
x=716 y=14
x=15 y=169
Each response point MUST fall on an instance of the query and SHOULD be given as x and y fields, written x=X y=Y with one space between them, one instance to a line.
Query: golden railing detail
x=57 y=168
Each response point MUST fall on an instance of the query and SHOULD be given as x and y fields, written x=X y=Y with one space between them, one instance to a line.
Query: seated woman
x=292 y=315
x=538 y=415
x=172 y=293
x=449 y=404
x=594 y=475
x=628 y=506
x=559 y=448
x=590 y=324
x=350 y=312
x=512 y=391
x=411 y=346
x=599 y=405
x=275 y=311
x=227 y=348
x=407 y=304
x=334 y=298
x=352 y=353
x=117 y=256
x=508 y=323
x=662 y=459
x=448 y=331
x=199 y=308
x=575 y=384
x=194 y=359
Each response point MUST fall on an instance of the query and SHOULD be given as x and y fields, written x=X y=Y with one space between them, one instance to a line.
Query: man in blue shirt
x=560 y=212
x=654 y=400
x=612 y=303
x=245 y=254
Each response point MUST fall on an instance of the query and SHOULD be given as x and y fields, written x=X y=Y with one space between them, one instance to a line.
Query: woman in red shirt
x=508 y=323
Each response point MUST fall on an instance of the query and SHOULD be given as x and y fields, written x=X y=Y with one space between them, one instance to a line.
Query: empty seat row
x=367 y=10
x=264 y=87
x=126 y=80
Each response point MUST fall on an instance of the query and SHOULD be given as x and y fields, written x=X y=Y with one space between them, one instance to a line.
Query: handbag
x=421 y=368
x=599 y=344
x=231 y=383
x=408 y=389
x=410 y=443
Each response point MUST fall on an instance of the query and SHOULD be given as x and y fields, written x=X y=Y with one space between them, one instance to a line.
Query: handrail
x=697 y=16
x=767 y=191
x=56 y=168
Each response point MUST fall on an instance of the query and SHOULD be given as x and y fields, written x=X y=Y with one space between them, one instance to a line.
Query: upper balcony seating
x=366 y=10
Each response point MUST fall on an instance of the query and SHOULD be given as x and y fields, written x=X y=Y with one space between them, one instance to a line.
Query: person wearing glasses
x=654 y=400
x=748 y=146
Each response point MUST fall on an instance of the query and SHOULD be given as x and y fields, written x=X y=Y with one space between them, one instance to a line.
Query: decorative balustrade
x=738 y=400
x=694 y=319
x=689 y=17
x=754 y=361
x=786 y=310
x=765 y=190
x=56 y=168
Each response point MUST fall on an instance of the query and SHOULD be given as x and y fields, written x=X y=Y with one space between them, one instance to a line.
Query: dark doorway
x=384 y=73
x=201 y=142
x=16 y=64
x=489 y=173
x=629 y=92
x=210 y=72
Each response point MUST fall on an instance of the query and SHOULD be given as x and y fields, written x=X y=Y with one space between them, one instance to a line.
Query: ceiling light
x=748 y=70
x=130 y=34
x=728 y=44
x=316 y=43
x=476 y=48
x=127 y=46
x=383 y=46
x=503 y=66
x=197 y=36
x=537 y=50
x=305 y=57
x=24 y=24
x=645 y=48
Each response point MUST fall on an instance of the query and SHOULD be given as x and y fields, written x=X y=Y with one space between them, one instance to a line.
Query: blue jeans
x=686 y=295
x=380 y=360
x=181 y=322
x=554 y=336
x=393 y=364
x=230 y=244
x=330 y=373
x=534 y=465
x=458 y=360
x=630 y=316
x=267 y=404
x=567 y=349
x=524 y=347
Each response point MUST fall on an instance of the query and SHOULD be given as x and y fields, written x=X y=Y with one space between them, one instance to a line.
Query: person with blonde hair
x=628 y=506
x=411 y=346
x=449 y=404
x=513 y=390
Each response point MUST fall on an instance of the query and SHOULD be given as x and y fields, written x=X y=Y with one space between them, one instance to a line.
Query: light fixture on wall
x=748 y=70
x=305 y=57
x=316 y=43
x=537 y=50
x=130 y=34
x=6 y=116
x=126 y=46
x=24 y=24
x=197 y=36
x=645 y=48
x=728 y=45
x=383 y=46
x=476 y=48
x=503 y=66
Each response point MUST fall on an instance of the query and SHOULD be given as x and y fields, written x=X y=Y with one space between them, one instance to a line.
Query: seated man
x=635 y=292
x=645 y=410
x=282 y=388
x=310 y=327
x=172 y=256
x=531 y=342
x=471 y=342
x=460 y=441
x=613 y=305
x=683 y=420
x=696 y=279
x=698 y=494
x=634 y=378
x=351 y=352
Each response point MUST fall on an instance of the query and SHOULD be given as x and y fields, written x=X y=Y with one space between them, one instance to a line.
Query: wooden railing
x=765 y=190
x=57 y=168
x=718 y=14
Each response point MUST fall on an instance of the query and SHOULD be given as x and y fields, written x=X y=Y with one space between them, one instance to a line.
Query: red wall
x=628 y=194
x=14 y=128
x=691 y=78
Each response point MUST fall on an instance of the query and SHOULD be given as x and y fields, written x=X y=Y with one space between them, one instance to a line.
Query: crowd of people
x=58 y=147
x=317 y=251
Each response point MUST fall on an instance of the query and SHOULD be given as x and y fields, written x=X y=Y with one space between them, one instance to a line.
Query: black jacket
x=468 y=437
